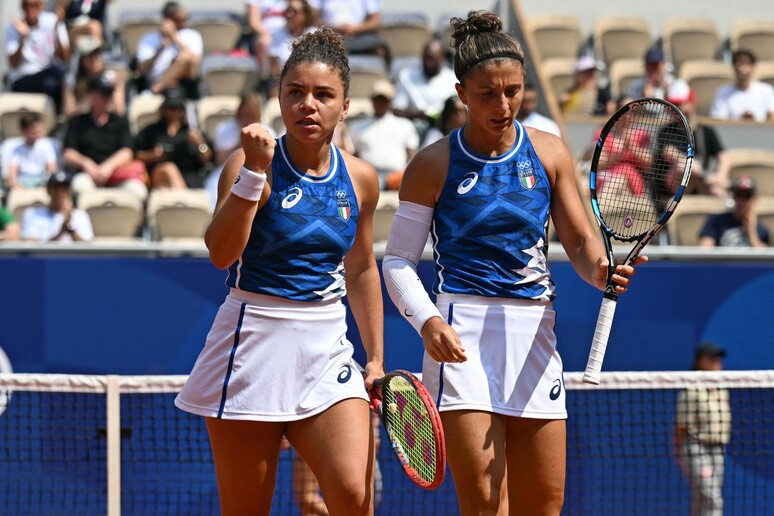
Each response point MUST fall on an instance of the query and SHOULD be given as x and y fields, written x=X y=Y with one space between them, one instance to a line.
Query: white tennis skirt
x=513 y=367
x=272 y=359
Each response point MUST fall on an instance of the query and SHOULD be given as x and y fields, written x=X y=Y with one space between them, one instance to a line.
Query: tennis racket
x=413 y=426
x=641 y=166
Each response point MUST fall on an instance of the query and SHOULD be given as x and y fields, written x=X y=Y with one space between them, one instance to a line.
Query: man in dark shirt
x=739 y=227
x=98 y=145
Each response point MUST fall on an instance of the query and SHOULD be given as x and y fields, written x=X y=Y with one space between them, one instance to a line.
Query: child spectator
x=33 y=161
x=60 y=221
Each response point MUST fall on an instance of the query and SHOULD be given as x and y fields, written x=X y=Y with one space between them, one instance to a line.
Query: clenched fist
x=258 y=146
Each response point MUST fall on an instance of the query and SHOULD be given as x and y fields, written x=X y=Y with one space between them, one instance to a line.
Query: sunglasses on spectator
x=291 y=12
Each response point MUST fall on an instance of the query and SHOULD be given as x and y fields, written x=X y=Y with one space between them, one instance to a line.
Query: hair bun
x=477 y=22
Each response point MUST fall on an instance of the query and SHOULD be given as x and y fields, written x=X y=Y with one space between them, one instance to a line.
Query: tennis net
x=76 y=444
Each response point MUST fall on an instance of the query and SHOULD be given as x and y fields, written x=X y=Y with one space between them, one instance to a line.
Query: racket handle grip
x=599 y=345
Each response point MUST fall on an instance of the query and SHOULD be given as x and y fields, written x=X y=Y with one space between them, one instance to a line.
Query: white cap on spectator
x=383 y=88
x=87 y=44
x=585 y=63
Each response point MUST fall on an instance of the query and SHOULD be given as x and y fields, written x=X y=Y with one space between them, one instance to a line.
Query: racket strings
x=410 y=425
x=642 y=162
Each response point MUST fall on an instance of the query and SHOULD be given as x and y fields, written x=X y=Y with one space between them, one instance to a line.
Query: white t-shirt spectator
x=731 y=103
x=542 y=122
x=39 y=223
x=228 y=135
x=414 y=92
x=39 y=47
x=341 y=12
x=33 y=161
x=280 y=44
x=152 y=41
x=384 y=142
x=272 y=13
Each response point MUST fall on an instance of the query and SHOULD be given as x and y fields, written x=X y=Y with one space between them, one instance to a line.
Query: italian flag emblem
x=527 y=179
x=344 y=209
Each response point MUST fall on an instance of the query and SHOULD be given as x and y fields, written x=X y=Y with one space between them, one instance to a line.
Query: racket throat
x=609 y=292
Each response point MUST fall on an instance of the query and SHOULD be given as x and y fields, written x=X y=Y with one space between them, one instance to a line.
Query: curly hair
x=321 y=46
x=480 y=38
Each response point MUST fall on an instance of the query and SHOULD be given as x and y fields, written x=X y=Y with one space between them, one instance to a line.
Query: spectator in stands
x=702 y=431
x=747 y=98
x=89 y=62
x=98 y=146
x=623 y=160
x=453 y=115
x=228 y=138
x=739 y=227
x=59 y=221
x=33 y=161
x=37 y=47
x=586 y=96
x=175 y=154
x=342 y=137
x=657 y=79
x=9 y=228
x=264 y=18
x=709 y=172
x=385 y=141
x=358 y=21
x=83 y=18
x=300 y=19
x=421 y=90
x=528 y=116
x=172 y=55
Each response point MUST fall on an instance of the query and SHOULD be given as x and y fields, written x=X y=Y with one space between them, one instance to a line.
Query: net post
x=113 y=446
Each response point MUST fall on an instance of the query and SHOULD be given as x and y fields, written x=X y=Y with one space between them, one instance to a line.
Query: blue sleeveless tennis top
x=300 y=236
x=490 y=224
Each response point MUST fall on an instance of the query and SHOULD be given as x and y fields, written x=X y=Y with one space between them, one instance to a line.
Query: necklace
x=322 y=170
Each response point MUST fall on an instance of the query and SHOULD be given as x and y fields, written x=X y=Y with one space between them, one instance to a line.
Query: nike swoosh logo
x=405 y=312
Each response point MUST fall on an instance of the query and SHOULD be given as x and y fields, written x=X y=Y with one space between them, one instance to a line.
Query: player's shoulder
x=546 y=143
x=434 y=156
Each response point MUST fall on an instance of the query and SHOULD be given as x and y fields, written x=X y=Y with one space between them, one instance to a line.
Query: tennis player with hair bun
x=292 y=215
x=485 y=193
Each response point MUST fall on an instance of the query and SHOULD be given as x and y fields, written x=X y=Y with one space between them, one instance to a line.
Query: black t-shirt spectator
x=98 y=142
x=727 y=231
x=178 y=148
x=707 y=146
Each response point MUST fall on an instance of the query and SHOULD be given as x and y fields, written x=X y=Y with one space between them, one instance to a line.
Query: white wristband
x=249 y=184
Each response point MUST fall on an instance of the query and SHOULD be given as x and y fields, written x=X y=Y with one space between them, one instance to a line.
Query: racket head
x=640 y=169
x=413 y=426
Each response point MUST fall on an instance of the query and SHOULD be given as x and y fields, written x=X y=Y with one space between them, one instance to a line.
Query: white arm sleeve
x=408 y=235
